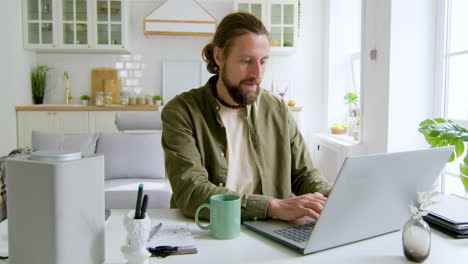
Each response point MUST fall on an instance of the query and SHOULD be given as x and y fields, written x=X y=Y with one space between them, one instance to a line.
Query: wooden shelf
x=45 y=107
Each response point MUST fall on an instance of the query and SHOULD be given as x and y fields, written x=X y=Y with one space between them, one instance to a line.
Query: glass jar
x=149 y=100
x=132 y=100
x=124 y=98
x=141 y=100
x=416 y=238
x=107 y=98
x=99 y=100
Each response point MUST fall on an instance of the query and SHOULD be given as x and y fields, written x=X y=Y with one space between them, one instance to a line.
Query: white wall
x=14 y=73
x=412 y=71
x=398 y=86
x=307 y=65
x=375 y=75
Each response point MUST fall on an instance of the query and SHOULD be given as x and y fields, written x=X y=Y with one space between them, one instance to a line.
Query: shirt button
x=221 y=184
x=222 y=154
x=255 y=218
x=217 y=107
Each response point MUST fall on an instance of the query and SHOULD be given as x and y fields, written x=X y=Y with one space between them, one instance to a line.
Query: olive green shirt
x=195 y=146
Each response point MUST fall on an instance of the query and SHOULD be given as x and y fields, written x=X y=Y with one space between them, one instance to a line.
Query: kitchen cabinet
x=102 y=121
x=49 y=121
x=280 y=17
x=74 y=25
x=67 y=121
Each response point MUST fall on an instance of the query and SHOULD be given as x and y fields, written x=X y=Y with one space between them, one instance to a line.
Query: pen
x=138 y=202
x=154 y=231
x=144 y=206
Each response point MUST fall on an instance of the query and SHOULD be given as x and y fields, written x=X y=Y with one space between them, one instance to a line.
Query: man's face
x=242 y=71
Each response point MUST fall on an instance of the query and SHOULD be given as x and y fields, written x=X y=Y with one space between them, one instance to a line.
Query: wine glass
x=281 y=87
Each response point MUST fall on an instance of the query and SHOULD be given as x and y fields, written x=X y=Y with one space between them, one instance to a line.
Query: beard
x=240 y=96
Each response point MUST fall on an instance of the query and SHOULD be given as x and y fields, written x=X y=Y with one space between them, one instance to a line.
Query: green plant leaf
x=452 y=157
x=440 y=120
x=351 y=98
x=426 y=122
x=448 y=135
x=464 y=168
x=459 y=147
x=435 y=132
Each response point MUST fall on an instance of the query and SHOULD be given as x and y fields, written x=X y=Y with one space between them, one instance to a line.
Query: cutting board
x=98 y=75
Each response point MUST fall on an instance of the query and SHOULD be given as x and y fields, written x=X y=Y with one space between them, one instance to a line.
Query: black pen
x=138 y=202
x=144 y=206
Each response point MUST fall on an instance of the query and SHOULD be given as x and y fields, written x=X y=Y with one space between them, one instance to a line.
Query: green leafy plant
x=440 y=132
x=352 y=100
x=85 y=97
x=157 y=97
x=38 y=82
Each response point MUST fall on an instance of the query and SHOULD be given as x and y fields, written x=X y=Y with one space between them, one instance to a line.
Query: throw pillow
x=84 y=143
x=132 y=155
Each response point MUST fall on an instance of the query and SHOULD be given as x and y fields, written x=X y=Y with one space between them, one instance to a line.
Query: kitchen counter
x=77 y=107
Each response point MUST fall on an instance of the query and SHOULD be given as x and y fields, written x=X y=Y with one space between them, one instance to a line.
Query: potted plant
x=38 y=83
x=440 y=132
x=84 y=99
x=157 y=100
x=352 y=100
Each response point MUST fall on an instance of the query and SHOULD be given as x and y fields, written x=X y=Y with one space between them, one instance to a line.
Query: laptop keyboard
x=299 y=233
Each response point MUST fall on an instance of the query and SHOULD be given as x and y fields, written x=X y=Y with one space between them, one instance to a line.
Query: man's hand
x=310 y=204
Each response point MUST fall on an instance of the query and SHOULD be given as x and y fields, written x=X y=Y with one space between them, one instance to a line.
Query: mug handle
x=196 y=217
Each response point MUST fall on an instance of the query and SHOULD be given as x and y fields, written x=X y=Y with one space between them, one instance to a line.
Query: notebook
x=174 y=235
x=450 y=216
x=370 y=198
x=452 y=209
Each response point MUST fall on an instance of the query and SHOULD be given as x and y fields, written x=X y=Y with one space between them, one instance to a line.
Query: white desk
x=253 y=248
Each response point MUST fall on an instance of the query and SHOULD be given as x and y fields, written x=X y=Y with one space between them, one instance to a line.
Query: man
x=231 y=136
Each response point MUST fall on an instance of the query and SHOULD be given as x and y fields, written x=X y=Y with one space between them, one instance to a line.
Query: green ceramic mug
x=225 y=216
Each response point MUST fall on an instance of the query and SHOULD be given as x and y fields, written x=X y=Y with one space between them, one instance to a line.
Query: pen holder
x=137 y=235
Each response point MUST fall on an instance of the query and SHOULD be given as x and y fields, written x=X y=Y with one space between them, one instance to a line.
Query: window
x=344 y=69
x=455 y=84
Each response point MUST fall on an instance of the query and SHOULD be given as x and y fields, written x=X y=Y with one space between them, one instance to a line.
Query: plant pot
x=84 y=102
x=38 y=99
x=158 y=102
x=356 y=134
x=416 y=238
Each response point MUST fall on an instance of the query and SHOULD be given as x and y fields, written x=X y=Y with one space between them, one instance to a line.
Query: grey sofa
x=131 y=157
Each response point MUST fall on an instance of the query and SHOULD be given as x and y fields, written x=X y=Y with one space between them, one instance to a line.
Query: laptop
x=370 y=198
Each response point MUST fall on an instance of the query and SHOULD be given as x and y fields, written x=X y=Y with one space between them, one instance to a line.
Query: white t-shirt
x=242 y=171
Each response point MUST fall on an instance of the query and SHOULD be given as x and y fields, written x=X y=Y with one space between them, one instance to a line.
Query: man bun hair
x=232 y=26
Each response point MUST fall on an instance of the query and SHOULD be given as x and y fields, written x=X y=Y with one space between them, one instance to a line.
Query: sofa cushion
x=85 y=143
x=121 y=193
x=132 y=155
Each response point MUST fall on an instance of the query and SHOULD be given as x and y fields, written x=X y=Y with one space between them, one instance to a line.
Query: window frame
x=441 y=91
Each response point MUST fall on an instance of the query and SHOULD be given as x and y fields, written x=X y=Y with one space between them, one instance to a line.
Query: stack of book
x=450 y=216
